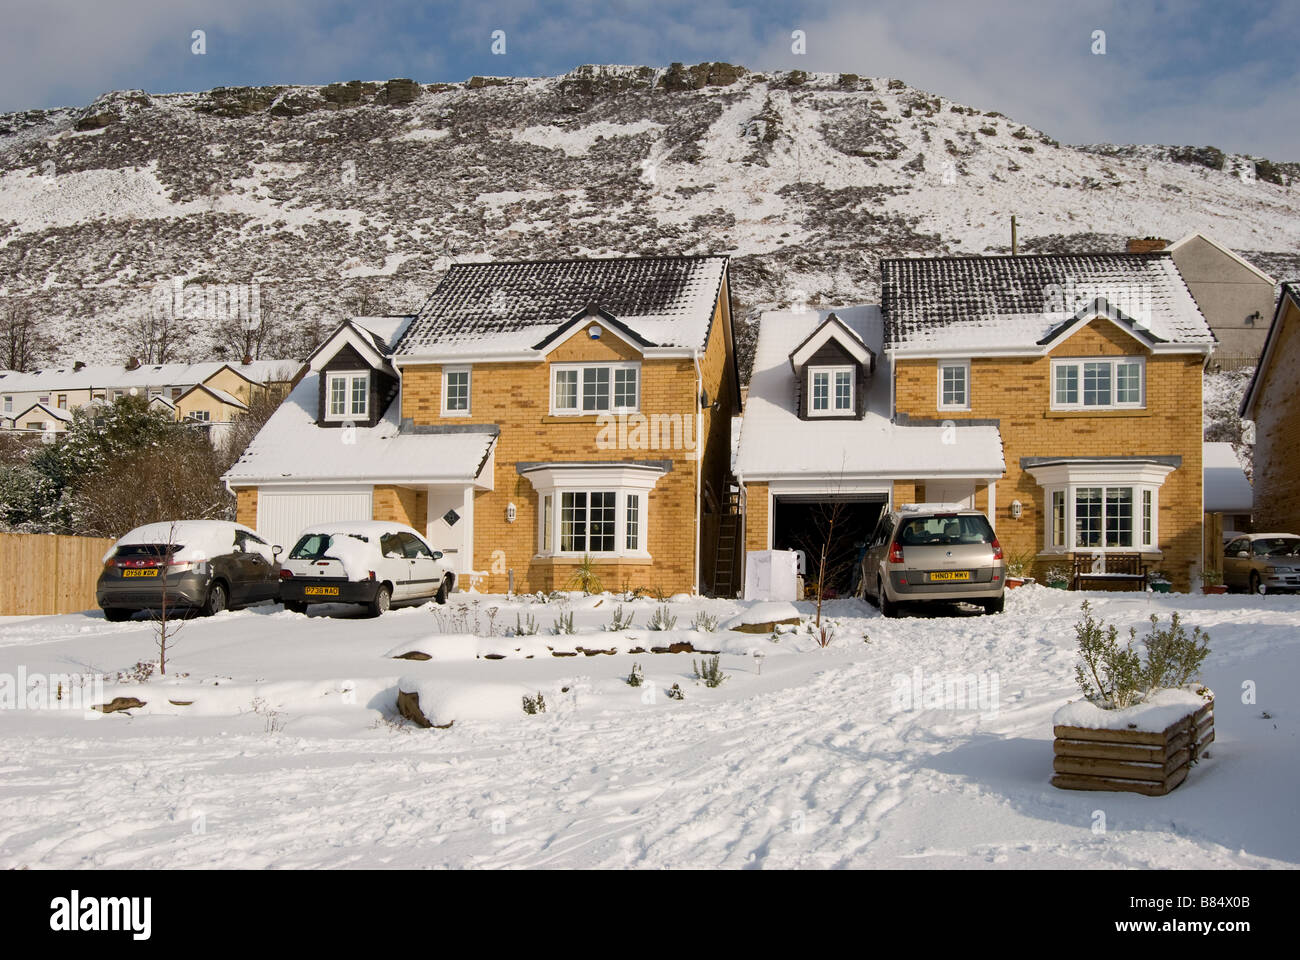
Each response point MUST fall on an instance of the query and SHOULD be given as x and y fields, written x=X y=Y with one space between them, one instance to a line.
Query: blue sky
x=1186 y=72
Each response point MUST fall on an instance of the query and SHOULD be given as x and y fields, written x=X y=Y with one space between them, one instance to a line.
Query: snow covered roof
x=973 y=304
x=117 y=377
x=58 y=413
x=511 y=307
x=1226 y=488
x=292 y=447
x=226 y=398
x=775 y=443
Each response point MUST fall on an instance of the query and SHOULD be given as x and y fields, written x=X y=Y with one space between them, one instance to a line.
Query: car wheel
x=888 y=607
x=444 y=588
x=1254 y=582
x=117 y=614
x=995 y=606
x=383 y=600
x=216 y=601
x=295 y=606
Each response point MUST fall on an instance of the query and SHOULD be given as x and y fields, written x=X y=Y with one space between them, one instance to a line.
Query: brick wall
x=1016 y=391
x=1277 y=431
x=756 y=511
x=516 y=397
x=400 y=505
x=246 y=507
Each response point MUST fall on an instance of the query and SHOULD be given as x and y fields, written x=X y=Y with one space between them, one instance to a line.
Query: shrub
x=1115 y=677
x=662 y=620
x=635 y=678
x=712 y=674
x=619 y=623
x=564 y=624
x=534 y=705
x=675 y=692
x=585 y=578
x=525 y=628
x=704 y=623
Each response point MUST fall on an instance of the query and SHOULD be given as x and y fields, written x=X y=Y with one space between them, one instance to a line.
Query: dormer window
x=348 y=396
x=830 y=391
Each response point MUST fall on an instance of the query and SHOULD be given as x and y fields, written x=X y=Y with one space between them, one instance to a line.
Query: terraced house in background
x=1059 y=394
x=529 y=415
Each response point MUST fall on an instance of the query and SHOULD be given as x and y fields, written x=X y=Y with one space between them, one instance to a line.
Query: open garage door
x=283 y=514
x=805 y=521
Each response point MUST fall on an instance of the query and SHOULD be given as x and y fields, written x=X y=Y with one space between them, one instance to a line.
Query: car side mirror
x=276 y=551
x=437 y=554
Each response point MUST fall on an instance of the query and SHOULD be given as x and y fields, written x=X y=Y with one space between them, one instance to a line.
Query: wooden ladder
x=724 y=567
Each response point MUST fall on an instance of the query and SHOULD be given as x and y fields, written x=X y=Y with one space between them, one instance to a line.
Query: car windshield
x=1275 y=546
x=315 y=546
x=945 y=530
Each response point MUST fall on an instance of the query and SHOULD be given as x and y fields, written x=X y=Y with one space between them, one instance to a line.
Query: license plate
x=140 y=573
x=951 y=575
x=322 y=591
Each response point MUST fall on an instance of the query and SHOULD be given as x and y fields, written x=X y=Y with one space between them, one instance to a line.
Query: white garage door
x=283 y=514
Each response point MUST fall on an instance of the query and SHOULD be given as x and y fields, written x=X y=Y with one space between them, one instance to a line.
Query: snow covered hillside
x=290 y=753
x=355 y=197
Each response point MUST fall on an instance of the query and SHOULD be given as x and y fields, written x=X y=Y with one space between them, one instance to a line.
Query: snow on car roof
x=366 y=528
x=938 y=508
x=181 y=530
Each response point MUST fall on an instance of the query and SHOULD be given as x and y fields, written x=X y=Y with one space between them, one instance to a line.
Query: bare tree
x=156 y=336
x=22 y=341
x=165 y=624
x=263 y=401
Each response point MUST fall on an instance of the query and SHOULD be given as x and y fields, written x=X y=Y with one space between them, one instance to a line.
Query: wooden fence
x=1212 y=561
x=45 y=574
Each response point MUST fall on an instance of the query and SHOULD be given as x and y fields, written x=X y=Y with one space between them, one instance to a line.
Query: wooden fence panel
x=42 y=574
x=1212 y=561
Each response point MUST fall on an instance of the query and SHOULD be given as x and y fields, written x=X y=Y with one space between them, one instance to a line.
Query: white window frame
x=447 y=411
x=1140 y=543
x=199 y=416
x=964 y=366
x=623 y=481
x=579 y=411
x=9 y=404
x=1112 y=363
x=348 y=377
x=832 y=409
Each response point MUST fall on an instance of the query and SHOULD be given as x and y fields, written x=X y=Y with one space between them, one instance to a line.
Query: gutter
x=699 y=460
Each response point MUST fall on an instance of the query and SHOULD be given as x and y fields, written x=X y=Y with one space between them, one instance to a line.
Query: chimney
x=77 y=365
x=133 y=363
x=1146 y=244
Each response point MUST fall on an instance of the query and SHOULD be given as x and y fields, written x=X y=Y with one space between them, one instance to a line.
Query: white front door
x=450 y=527
x=951 y=491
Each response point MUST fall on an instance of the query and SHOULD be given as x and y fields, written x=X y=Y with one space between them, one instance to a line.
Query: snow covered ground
x=291 y=753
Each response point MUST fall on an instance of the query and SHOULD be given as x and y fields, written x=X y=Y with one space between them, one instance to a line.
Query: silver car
x=934 y=553
x=1262 y=563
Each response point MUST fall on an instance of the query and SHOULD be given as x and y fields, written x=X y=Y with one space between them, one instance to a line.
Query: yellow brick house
x=531 y=414
x=1060 y=394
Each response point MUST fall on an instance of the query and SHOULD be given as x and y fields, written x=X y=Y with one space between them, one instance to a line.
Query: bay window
x=1102 y=505
x=593 y=509
x=1103 y=383
x=587 y=388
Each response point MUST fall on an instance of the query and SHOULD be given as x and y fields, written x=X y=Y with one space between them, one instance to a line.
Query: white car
x=372 y=563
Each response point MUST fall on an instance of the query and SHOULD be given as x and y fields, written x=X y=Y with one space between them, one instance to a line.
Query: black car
x=204 y=566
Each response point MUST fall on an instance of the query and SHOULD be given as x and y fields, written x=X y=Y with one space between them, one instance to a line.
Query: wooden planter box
x=1133 y=761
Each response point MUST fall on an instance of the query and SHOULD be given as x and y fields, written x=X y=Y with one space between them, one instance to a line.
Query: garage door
x=282 y=515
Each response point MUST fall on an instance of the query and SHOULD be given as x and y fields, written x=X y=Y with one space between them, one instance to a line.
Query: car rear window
x=313 y=546
x=146 y=551
x=945 y=530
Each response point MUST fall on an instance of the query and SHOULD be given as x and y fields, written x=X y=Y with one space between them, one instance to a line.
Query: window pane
x=547 y=518
x=1146 y=518
x=954 y=386
x=359 y=385
x=1128 y=383
x=595 y=388
x=458 y=390
x=601 y=530
x=1067 y=384
x=821 y=391
x=338 y=396
x=843 y=390
x=1096 y=384
x=1119 y=516
x=1058 y=518
x=1087 y=517
x=566 y=390
x=573 y=522
x=633 y=521
x=625 y=389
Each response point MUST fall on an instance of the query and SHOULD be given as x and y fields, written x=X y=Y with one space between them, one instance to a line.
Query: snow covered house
x=1235 y=296
x=1227 y=490
x=1273 y=403
x=1059 y=394
x=530 y=414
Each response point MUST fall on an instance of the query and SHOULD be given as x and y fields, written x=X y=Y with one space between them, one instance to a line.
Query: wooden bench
x=1114 y=568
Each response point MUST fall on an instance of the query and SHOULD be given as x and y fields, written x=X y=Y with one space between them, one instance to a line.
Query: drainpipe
x=699 y=460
